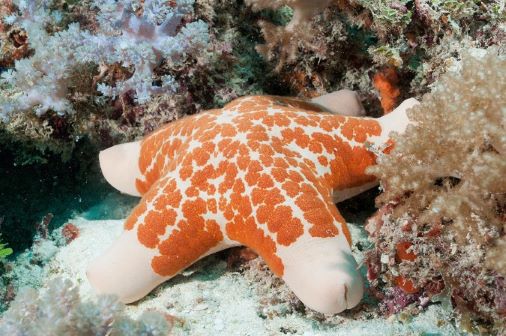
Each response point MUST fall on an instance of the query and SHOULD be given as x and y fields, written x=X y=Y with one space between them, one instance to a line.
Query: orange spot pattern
x=259 y=172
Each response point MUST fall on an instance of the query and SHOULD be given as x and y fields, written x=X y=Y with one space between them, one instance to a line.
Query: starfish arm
x=343 y=102
x=321 y=271
x=124 y=269
x=319 y=266
x=164 y=146
x=126 y=156
x=165 y=233
x=157 y=149
x=292 y=223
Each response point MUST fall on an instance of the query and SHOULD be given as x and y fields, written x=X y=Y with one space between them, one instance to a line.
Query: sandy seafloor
x=211 y=299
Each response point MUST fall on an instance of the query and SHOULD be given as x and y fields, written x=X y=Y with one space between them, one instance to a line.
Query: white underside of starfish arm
x=395 y=121
x=125 y=269
x=120 y=166
x=343 y=102
x=322 y=273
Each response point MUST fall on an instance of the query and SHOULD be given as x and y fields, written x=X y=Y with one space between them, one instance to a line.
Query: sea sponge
x=444 y=193
x=386 y=83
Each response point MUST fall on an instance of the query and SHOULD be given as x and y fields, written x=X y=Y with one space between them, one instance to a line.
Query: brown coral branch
x=284 y=41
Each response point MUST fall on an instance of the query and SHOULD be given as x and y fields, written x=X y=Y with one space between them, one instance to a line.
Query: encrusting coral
x=441 y=224
x=261 y=172
x=59 y=310
x=386 y=83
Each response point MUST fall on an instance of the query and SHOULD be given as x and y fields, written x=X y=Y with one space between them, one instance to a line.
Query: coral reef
x=441 y=224
x=345 y=42
x=439 y=233
x=117 y=57
x=132 y=45
x=339 y=44
x=216 y=65
x=60 y=311
x=27 y=269
x=208 y=298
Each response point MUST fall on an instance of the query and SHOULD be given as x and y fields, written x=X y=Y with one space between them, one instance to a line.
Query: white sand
x=208 y=299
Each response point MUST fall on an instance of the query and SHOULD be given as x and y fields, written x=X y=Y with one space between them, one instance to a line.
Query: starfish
x=263 y=172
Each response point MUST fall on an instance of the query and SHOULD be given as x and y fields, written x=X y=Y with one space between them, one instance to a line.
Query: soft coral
x=141 y=42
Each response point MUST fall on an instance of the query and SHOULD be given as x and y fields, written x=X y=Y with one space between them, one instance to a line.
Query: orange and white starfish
x=263 y=172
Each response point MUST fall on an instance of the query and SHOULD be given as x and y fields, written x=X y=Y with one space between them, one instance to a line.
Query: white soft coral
x=141 y=42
